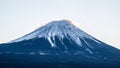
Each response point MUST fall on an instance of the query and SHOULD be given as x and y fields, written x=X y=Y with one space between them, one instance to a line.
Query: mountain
x=59 y=44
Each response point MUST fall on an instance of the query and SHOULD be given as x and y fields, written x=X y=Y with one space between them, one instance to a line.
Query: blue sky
x=99 y=18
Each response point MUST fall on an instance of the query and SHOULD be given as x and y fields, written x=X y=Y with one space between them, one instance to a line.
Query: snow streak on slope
x=60 y=29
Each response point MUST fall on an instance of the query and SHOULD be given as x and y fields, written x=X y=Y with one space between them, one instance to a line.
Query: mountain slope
x=61 y=29
x=61 y=41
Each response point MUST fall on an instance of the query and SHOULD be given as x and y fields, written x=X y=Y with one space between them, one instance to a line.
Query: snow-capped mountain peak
x=60 y=29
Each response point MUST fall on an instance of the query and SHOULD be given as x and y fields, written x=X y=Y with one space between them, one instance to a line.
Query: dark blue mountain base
x=36 y=61
x=38 y=53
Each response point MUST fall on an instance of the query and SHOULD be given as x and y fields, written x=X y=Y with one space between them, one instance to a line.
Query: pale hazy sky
x=99 y=18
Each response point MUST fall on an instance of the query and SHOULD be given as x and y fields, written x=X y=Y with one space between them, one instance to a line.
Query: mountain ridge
x=57 y=28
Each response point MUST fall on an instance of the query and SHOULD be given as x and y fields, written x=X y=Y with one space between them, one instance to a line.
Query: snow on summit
x=60 y=29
